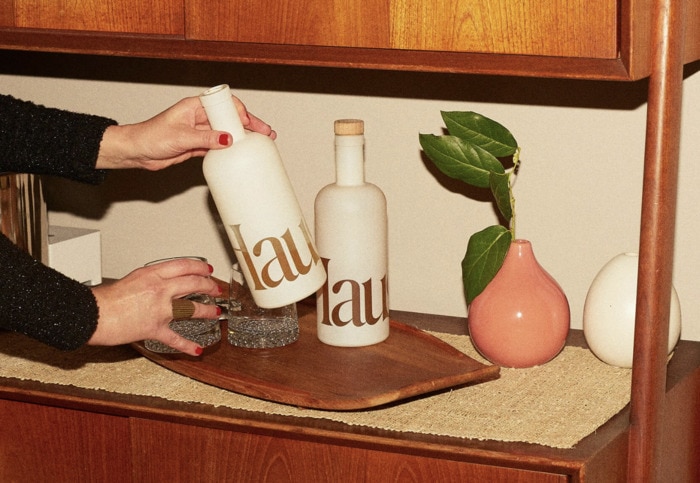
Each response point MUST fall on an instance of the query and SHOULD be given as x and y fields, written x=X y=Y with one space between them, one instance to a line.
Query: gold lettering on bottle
x=247 y=259
x=323 y=296
x=280 y=259
x=369 y=316
x=294 y=252
x=358 y=295
x=283 y=247
x=354 y=302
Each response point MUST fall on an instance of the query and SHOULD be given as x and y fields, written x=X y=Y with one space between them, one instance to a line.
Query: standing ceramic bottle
x=351 y=236
x=259 y=209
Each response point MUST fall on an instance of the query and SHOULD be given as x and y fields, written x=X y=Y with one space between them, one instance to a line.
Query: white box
x=76 y=253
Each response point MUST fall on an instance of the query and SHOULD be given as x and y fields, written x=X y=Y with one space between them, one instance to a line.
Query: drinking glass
x=254 y=327
x=205 y=332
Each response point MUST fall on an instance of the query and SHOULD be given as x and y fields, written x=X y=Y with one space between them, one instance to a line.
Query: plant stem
x=512 y=177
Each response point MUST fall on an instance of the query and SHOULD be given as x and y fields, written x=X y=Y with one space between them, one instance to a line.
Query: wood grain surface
x=311 y=374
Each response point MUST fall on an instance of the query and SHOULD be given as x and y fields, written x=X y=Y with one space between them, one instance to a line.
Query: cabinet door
x=164 y=17
x=41 y=443
x=175 y=452
x=351 y=23
x=165 y=451
x=569 y=28
x=7 y=14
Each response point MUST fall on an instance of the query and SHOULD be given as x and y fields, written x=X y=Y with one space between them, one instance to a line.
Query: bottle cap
x=349 y=127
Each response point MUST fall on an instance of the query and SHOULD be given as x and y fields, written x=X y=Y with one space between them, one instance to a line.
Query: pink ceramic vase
x=521 y=319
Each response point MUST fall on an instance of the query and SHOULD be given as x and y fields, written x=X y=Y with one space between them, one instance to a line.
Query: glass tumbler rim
x=168 y=259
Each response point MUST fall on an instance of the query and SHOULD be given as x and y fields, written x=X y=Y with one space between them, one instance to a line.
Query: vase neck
x=519 y=249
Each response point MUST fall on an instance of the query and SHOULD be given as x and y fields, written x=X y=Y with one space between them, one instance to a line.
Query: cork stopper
x=349 y=127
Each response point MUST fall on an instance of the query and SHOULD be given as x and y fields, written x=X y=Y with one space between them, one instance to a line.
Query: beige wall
x=578 y=195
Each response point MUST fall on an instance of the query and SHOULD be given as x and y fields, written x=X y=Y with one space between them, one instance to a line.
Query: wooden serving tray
x=311 y=374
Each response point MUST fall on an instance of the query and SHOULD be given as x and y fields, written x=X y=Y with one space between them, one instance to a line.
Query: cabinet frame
x=656 y=38
x=632 y=63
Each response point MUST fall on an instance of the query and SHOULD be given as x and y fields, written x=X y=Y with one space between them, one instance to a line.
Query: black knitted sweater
x=34 y=299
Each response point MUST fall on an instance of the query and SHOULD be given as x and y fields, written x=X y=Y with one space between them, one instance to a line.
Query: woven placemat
x=556 y=404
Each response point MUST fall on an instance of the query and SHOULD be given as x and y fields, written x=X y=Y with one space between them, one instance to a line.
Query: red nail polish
x=199 y=351
x=218 y=310
x=224 y=139
x=211 y=269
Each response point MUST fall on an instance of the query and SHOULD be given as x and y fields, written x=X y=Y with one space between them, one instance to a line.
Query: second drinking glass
x=254 y=327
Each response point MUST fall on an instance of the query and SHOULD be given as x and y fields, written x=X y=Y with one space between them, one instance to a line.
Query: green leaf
x=460 y=160
x=485 y=254
x=482 y=131
x=500 y=187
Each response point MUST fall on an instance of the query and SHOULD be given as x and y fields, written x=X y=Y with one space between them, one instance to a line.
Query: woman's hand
x=139 y=306
x=171 y=137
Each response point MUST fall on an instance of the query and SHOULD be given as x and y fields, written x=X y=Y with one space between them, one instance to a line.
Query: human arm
x=45 y=305
x=43 y=140
x=42 y=303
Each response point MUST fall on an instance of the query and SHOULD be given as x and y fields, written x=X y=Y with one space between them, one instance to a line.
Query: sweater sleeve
x=41 y=303
x=43 y=140
x=36 y=300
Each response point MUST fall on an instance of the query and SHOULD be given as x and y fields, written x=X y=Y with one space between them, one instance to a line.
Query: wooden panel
x=680 y=448
x=397 y=467
x=41 y=443
x=532 y=27
x=351 y=23
x=7 y=14
x=579 y=28
x=692 y=31
x=356 y=58
x=132 y=16
x=175 y=452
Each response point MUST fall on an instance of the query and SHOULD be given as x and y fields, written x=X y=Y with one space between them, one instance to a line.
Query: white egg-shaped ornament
x=610 y=308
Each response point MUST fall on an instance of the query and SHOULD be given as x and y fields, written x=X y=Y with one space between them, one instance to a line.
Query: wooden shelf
x=168 y=429
x=453 y=62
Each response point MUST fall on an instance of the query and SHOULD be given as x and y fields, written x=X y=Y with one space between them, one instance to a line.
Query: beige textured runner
x=556 y=404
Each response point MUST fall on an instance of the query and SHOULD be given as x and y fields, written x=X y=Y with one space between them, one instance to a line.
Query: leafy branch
x=472 y=152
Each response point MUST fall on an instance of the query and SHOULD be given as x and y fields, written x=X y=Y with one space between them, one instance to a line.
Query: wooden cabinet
x=42 y=443
x=162 y=17
x=529 y=27
x=58 y=444
x=66 y=433
x=596 y=39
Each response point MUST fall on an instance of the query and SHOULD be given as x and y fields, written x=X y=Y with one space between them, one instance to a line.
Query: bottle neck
x=222 y=112
x=349 y=160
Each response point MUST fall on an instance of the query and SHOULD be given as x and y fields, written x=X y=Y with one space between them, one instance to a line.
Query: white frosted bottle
x=351 y=237
x=259 y=209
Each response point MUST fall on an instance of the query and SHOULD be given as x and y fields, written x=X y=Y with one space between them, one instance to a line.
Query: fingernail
x=211 y=269
x=199 y=351
x=224 y=139
x=218 y=310
x=219 y=290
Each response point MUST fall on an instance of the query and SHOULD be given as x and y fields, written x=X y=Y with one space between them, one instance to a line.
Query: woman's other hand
x=139 y=306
